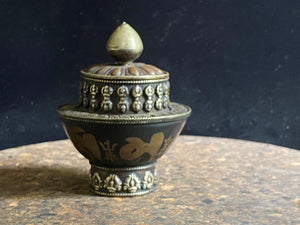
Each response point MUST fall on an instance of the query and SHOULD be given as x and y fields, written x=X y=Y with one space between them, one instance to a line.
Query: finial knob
x=125 y=44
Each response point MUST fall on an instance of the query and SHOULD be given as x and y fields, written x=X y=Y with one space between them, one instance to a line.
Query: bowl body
x=123 y=149
x=118 y=145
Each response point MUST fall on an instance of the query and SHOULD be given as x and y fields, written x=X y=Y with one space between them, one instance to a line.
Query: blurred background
x=236 y=63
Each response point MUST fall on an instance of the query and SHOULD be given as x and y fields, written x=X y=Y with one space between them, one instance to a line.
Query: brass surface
x=125 y=44
x=87 y=144
x=84 y=142
x=136 y=147
x=122 y=182
x=126 y=169
x=124 y=120
x=130 y=98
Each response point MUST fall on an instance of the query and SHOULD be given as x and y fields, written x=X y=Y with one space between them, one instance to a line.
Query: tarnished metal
x=124 y=120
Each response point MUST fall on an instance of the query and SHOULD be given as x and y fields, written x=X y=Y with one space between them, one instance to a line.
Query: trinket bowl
x=124 y=120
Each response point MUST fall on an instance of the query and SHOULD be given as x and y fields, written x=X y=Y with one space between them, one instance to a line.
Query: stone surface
x=202 y=180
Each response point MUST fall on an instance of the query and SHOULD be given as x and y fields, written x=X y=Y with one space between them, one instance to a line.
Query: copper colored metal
x=124 y=120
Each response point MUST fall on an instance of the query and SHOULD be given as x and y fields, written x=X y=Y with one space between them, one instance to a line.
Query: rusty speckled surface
x=202 y=180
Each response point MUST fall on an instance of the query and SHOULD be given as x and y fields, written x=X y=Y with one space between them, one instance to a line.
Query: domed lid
x=124 y=46
x=124 y=92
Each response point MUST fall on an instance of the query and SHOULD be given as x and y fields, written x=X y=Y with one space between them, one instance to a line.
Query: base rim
x=105 y=194
x=123 y=181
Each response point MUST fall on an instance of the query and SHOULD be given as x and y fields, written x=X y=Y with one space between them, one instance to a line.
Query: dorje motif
x=167 y=92
x=106 y=104
x=137 y=93
x=109 y=150
x=159 y=101
x=85 y=90
x=149 y=92
x=122 y=105
x=152 y=97
x=94 y=92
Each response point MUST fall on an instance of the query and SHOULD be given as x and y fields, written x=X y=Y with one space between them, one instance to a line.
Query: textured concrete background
x=217 y=181
x=236 y=63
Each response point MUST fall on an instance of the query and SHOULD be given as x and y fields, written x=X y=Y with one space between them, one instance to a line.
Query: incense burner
x=124 y=120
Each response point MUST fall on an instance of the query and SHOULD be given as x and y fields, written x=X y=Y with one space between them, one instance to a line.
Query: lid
x=124 y=91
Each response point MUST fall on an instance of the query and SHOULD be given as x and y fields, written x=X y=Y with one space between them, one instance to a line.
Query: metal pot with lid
x=124 y=120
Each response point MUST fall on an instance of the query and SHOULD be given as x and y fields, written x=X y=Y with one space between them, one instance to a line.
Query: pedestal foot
x=123 y=181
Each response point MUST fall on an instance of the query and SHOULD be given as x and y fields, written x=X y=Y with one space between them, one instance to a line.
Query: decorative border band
x=126 y=79
x=124 y=194
x=123 y=182
x=126 y=169
x=125 y=99
x=182 y=112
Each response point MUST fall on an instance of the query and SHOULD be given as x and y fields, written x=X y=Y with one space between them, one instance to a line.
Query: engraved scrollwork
x=159 y=101
x=166 y=97
x=85 y=90
x=84 y=142
x=122 y=105
x=96 y=181
x=149 y=92
x=94 y=90
x=167 y=142
x=137 y=93
x=148 y=180
x=132 y=183
x=106 y=104
x=113 y=183
x=136 y=147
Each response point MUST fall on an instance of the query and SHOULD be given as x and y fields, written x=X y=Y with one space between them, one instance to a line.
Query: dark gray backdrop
x=236 y=63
